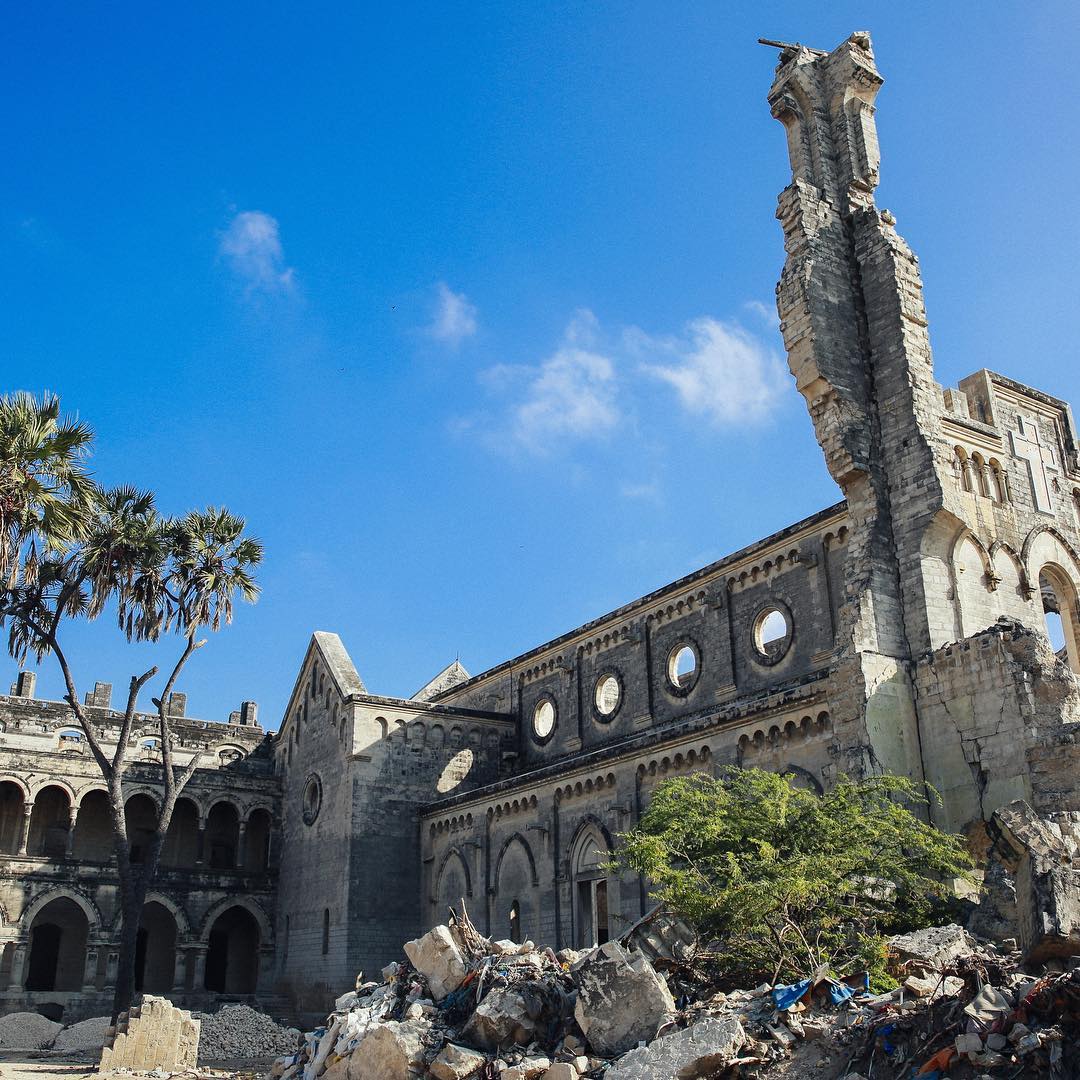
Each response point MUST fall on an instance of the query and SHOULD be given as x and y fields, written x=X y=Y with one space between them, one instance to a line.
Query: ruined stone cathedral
x=907 y=628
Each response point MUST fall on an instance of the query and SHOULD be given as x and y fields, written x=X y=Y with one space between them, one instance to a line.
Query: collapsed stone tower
x=963 y=504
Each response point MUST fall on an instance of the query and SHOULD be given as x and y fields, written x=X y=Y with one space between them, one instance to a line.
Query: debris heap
x=240 y=1032
x=459 y=1006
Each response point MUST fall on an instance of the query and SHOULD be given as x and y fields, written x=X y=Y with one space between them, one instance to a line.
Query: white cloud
x=570 y=395
x=455 y=316
x=765 y=312
x=252 y=247
x=718 y=369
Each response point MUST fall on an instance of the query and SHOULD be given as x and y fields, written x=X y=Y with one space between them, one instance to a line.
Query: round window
x=772 y=633
x=543 y=719
x=682 y=667
x=312 y=798
x=608 y=696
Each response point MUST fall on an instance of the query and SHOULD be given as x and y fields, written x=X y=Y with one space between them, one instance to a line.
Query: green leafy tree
x=788 y=881
x=71 y=552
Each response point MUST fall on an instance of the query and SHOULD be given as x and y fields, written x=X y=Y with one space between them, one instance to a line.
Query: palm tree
x=45 y=490
x=75 y=551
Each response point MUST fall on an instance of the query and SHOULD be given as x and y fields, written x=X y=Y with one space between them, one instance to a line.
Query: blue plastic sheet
x=786 y=996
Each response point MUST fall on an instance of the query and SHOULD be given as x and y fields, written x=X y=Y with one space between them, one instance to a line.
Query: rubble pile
x=27 y=1031
x=84 y=1037
x=462 y=1006
x=238 y=1031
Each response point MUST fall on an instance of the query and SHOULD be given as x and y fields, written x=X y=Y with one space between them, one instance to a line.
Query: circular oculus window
x=543 y=719
x=772 y=634
x=312 y=798
x=608 y=696
x=682 y=667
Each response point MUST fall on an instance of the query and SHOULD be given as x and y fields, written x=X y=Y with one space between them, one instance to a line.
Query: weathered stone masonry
x=906 y=628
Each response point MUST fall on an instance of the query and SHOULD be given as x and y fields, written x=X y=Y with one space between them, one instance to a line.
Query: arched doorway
x=257 y=841
x=155 y=950
x=222 y=836
x=591 y=919
x=141 y=815
x=49 y=823
x=11 y=817
x=57 y=957
x=181 y=847
x=93 y=841
x=232 y=956
x=1060 y=611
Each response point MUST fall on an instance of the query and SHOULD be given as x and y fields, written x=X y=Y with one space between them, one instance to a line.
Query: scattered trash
x=463 y=1006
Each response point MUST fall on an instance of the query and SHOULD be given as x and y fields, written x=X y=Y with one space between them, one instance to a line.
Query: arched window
x=978 y=466
x=591 y=922
x=1001 y=484
x=1062 y=614
x=963 y=468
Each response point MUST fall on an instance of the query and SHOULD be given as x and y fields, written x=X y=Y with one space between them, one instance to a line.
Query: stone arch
x=183 y=924
x=972 y=572
x=590 y=891
x=65 y=892
x=803 y=777
x=89 y=790
x=53 y=781
x=1009 y=568
x=1034 y=544
x=444 y=867
x=509 y=843
x=252 y=906
x=19 y=782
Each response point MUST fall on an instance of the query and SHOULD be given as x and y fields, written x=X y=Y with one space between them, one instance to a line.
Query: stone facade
x=906 y=628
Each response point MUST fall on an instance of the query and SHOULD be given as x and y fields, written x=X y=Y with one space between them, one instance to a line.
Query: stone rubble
x=961 y=1009
x=27 y=1031
x=239 y=1032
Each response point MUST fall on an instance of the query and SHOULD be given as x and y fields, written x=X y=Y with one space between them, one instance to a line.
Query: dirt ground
x=43 y=1065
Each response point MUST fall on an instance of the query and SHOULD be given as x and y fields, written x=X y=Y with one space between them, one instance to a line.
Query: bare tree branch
x=130 y=712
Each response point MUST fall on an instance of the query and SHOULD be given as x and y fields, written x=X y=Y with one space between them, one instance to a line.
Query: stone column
x=90 y=969
x=265 y=977
x=273 y=849
x=73 y=817
x=112 y=962
x=28 y=809
x=179 y=985
x=199 y=982
x=241 y=846
x=202 y=844
x=18 y=965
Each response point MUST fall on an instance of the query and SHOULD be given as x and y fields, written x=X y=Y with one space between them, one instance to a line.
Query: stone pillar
x=202 y=843
x=265 y=978
x=198 y=984
x=241 y=846
x=112 y=962
x=90 y=969
x=28 y=809
x=18 y=965
x=73 y=817
x=273 y=850
x=179 y=985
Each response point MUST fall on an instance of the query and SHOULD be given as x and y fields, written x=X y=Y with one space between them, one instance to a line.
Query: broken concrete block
x=500 y=1019
x=1047 y=887
x=561 y=1070
x=154 y=1035
x=391 y=1051
x=437 y=957
x=456 y=1063
x=530 y=1068
x=702 y=1050
x=931 y=949
x=621 y=1000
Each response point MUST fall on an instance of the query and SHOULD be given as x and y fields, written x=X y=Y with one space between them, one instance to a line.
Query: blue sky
x=468 y=309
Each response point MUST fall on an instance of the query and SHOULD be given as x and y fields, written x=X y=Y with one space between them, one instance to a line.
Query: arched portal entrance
x=57 y=947
x=93 y=841
x=141 y=815
x=1060 y=609
x=591 y=852
x=222 y=836
x=155 y=950
x=232 y=958
x=181 y=847
x=49 y=823
x=11 y=817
